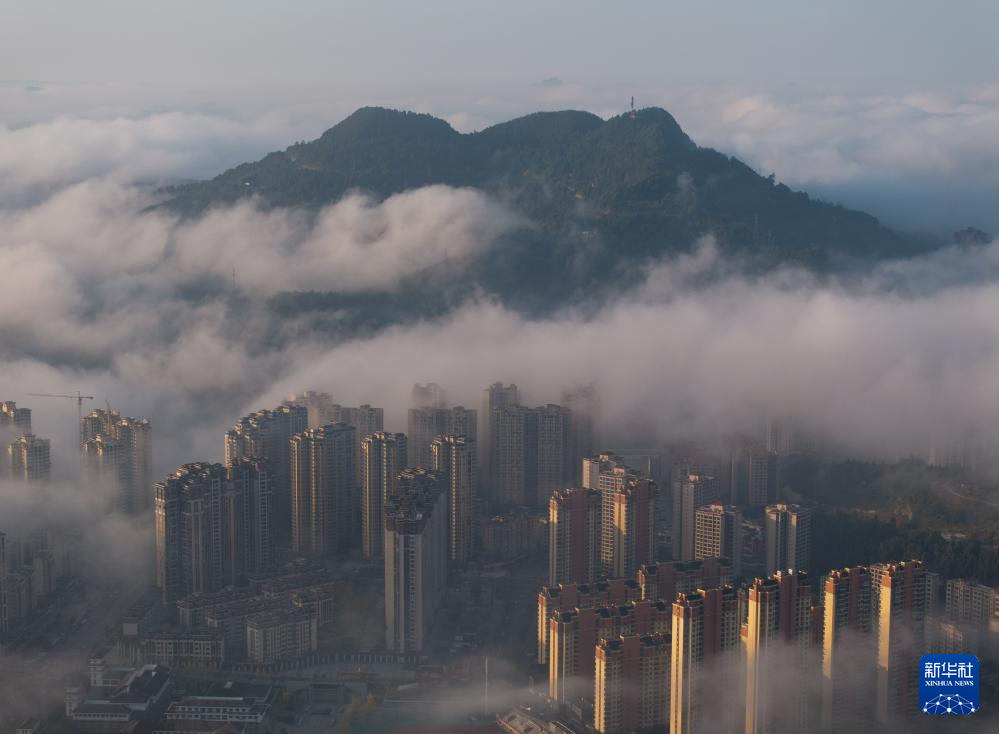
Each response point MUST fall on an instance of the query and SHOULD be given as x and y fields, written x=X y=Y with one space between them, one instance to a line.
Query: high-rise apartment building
x=720 y=464
x=556 y=463
x=266 y=434
x=718 y=534
x=705 y=663
x=573 y=635
x=627 y=514
x=529 y=453
x=96 y=423
x=118 y=456
x=848 y=652
x=690 y=493
x=574 y=532
x=632 y=674
x=628 y=527
x=778 y=645
x=566 y=597
x=212 y=526
x=322 y=410
x=415 y=558
x=322 y=482
x=788 y=537
x=583 y=404
x=318 y=405
x=762 y=476
x=494 y=397
x=971 y=602
x=383 y=456
x=29 y=458
x=426 y=423
x=430 y=395
x=455 y=457
x=14 y=421
x=899 y=599
x=514 y=436
x=667 y=579
x=248 y=502
x=364 y=419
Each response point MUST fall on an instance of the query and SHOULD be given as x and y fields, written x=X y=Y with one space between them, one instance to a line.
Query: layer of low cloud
x=100 y=292
x=923 y=158
x=132 y=304
x=102 y=295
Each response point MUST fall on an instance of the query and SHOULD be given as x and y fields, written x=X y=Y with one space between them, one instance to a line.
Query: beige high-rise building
x=574 y=536
x=778 y=645
x=364 y=419
x=322 y=481
x=266 y=434
x=212 y=526
x=383 y=456
x=718 y=534
x=628 y=538
x=494 y=397
x=318 y=405
x=415 y=558
x=704 y=669
x=899 y=601
x=574 y=633
x=455 y=456
x=29 y=458
x=632 y=673
x=118 y=455
x=667 y=579
x=690 y=493
x=566 y=597
x=788 y=537
x=427 y=423
x=627 y=514
x=848 y=652
x=323 y=410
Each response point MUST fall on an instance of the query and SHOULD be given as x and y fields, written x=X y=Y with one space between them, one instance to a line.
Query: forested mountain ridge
x=622 y=191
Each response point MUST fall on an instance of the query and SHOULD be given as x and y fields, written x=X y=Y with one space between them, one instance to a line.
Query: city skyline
x=567 y=368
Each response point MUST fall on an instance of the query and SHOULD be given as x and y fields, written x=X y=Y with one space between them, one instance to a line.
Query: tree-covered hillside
x=606 y=196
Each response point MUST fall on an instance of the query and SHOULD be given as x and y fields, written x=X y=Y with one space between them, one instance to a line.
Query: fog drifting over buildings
x=126 y=302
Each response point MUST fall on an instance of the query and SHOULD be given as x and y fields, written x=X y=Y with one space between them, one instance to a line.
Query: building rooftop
x=260 y=692
x=278 y=617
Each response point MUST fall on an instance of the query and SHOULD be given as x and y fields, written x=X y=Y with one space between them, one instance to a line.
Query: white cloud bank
x=100 y=292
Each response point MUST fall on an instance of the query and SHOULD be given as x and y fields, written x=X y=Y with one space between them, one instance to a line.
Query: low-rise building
x=142 y=697
x=198 y=649
x=281 y=635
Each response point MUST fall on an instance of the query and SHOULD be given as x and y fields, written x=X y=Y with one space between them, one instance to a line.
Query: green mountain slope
x=606 y=194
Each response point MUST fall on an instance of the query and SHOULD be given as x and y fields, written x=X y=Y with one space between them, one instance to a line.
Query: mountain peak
x=636 y=184
x=387 y=122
